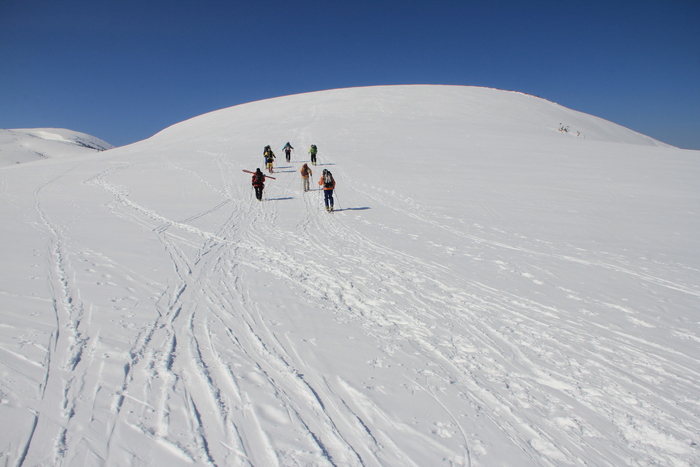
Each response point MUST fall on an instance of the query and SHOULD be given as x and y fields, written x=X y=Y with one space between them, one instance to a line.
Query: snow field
x=491 y=291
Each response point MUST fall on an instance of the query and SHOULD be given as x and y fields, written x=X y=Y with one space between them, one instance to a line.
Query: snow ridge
x=28 y=145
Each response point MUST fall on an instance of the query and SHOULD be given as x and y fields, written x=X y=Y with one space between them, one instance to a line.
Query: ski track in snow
x=466 y=359
x=211 y=347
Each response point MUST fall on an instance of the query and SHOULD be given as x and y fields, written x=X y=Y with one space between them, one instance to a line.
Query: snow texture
x=504 y=282
x=28 y=145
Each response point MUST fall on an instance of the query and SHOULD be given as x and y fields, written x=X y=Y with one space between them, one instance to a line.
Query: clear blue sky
x=123 y=70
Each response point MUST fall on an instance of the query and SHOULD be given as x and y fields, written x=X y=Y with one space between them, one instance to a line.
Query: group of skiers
x=270 y=157
x=327 y=182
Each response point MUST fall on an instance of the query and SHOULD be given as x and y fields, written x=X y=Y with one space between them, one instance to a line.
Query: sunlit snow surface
x=29 y=145
x=504 y=282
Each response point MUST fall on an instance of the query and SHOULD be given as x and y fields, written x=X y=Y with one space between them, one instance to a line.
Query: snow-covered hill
x=27 y=145
x=504 y=282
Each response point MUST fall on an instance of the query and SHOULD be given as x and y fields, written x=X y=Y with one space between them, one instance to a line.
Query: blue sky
x=124 y=70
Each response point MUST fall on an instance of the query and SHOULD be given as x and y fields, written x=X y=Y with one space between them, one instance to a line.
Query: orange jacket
x=320 y=182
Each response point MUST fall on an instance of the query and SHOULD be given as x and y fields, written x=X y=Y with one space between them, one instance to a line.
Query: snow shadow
x=352 y=209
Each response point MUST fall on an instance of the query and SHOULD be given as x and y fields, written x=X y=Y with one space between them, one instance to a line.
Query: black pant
x=259 y=191
x=313 y=159
x=328 y=198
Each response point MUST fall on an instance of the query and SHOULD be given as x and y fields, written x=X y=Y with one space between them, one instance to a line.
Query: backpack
x=328 y=180
x=258 y=178
x=314 y=149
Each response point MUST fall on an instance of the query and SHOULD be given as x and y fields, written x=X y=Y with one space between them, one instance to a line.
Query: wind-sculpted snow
x=489 y=291
x=29 y=145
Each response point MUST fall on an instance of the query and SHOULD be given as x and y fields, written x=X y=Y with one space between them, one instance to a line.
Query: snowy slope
x=490 y=291
x=28 y=145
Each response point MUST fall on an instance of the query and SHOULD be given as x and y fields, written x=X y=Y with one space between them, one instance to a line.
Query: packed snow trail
x=185 y=322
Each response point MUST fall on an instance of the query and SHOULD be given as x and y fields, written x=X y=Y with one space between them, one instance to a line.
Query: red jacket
x=258 y=181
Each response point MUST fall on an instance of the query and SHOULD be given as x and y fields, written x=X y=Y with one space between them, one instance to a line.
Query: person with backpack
x=328 y=183
x=269 y=158
x=288 y=151
x=259 y=184
x=305 y=174
x=313 y=151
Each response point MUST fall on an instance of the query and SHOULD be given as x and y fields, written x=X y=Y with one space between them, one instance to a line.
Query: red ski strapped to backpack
x=251 y=172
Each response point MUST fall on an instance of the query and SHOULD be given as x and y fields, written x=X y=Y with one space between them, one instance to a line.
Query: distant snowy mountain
x=27 y=145
x=504 y=281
